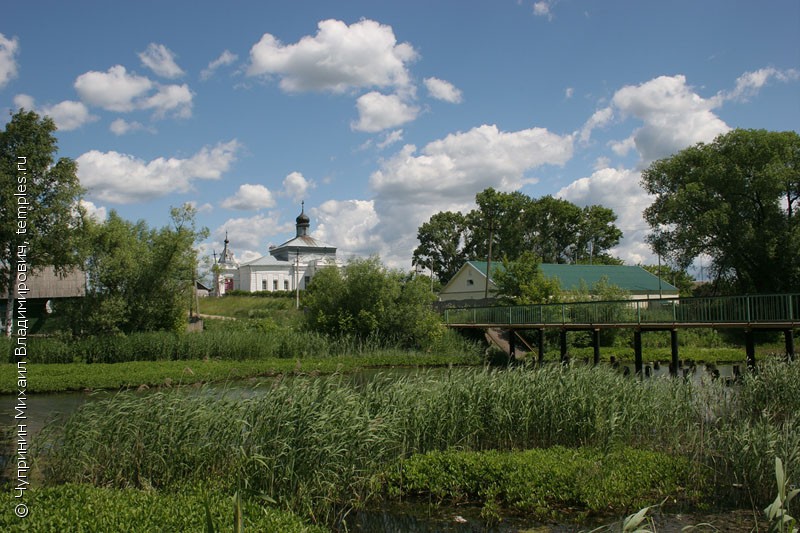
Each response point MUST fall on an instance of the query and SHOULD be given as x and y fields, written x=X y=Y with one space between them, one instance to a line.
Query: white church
x=288 y=267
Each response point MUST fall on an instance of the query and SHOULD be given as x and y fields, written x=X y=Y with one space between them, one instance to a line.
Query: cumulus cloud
x=114 y=90
x=8 y=61
x=161 y=60
x=443 y=90
x=117 y=90
x=599 y=118
x=349 y=225
x=122 y=178
x=121 y=126
x=98 y=213
x=391 y=138
x=296 y=186
x=247 y=232
x=447 y=173
x=674 y=116
x=377 y=112
x=68 y=115
x=338 y=58
x=619 y=190
x=226 y=58
x=250 y=197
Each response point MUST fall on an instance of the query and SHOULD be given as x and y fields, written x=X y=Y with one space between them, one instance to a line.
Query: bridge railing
x=733 y=310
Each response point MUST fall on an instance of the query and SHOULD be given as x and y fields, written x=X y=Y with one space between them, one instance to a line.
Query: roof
x=630 y=278
x=266 y=260
x=47 y=283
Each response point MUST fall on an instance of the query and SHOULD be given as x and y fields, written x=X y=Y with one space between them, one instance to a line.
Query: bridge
x=747 y=312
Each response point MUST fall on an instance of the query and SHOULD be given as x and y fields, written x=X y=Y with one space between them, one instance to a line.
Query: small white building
x=287 y=267
x=226 y=271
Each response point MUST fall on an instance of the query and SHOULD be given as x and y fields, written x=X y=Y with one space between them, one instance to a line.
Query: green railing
x=752 y=310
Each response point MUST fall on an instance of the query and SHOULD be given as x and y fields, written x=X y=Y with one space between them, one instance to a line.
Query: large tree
x=735 y=200
x=39 y=202
x=553 y=229
x=140 y=278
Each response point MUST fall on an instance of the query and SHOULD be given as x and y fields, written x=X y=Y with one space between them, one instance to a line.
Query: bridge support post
x=673 y=338
x=540 y=347
x=512 y=346
x=596 y=346
x=563 y=339
x=788 y=336
x=750 y=349
x=637 y=351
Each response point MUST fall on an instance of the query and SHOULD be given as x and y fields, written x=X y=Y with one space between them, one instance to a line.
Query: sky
x=379 y=114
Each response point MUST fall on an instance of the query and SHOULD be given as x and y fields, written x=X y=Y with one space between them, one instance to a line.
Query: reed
x=316 y=445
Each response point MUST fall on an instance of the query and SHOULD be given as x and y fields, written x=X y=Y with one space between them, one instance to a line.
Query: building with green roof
x=469 y=283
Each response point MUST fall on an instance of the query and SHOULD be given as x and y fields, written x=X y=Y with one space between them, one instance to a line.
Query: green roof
x=634 y=279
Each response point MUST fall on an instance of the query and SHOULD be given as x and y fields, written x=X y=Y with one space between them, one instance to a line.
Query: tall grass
x=316 y=444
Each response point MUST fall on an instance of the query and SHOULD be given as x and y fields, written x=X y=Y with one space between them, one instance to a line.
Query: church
x=288 y=267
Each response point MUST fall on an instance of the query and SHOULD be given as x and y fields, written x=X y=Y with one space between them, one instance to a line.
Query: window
x=286 y=284
x=274 y=284
x=308 y=280
x=263 y=284
x=470 y=282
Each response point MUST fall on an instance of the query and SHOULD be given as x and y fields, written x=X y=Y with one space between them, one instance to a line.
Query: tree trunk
x=9 y=307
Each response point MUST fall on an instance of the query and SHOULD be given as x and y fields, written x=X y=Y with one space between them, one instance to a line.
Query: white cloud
x=8 y=62
x=175 y=98
x=122 y=178
x=68 y=115
x=569 y=92
x=161 y=60
x=246 y=232
x=296 y=186
x=619 y=190
x=97 y=213
x=749 y=83
x=391 y=138
x=121 y=126
x=443 y=90
x=674 y=116
x=338 y=58
x=447 y=173
x=226 y=58
x=599 y=118
x=250 y=197
x=377 y=112
x=349 y=225
x=542 y=9
x=114 y=90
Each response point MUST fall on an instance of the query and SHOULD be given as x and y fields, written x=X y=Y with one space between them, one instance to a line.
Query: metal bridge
x=748 y=312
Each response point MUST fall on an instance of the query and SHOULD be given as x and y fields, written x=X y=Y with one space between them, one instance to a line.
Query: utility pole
x=489 y=258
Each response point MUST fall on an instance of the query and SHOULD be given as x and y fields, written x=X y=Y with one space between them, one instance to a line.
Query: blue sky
x=379 y=114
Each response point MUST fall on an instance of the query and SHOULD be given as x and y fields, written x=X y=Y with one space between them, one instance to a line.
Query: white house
x=287 y=267
x=469 y=283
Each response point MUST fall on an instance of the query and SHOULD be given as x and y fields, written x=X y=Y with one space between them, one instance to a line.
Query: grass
x=318 y=446
x=108 y=376
x=80 y=507
x=544 y=483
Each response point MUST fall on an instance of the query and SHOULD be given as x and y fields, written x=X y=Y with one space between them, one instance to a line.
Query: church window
x=286 y=284
x=308 y=280
x=263 y=284
x=274 y=284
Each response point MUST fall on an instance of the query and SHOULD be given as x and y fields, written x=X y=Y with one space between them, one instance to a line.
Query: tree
x=735 y=200
x=140 y=279
x=39 y=203
x=442 y=244
x=679 y=278
x=368 y=300
x=520 y=282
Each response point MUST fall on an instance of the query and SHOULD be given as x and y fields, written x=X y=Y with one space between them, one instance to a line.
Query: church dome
x=302 y=218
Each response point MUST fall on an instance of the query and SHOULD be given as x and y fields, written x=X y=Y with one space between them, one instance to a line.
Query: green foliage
x=368 y=301
x=553 y=229
x=521 y=282
x=780 y=521
x=53 y=218
x=735 y=200
x=540 y=482
x=84 y=508
x=139 y=279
